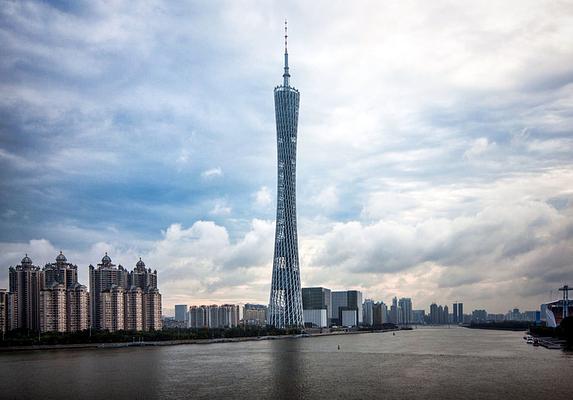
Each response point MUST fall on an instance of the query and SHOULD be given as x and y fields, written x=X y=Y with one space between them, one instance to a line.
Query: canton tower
x=285 y=307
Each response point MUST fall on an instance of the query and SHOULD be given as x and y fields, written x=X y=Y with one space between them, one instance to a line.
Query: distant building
x=4 y=326
x=495 y=317
x=350 y=300
x=26 y=281
x=317 y=298
x=379 y=314
x=479 y=315
x=439 y=315
x=315 y=318
x=214 y=316
x=255 y=314
x=460 y=313
x=181 y=312
x=405 y=310
x=368 y=312
x=395 y=312
x=419 y=316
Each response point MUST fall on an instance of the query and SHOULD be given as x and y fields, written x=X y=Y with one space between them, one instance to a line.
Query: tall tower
x=285 y=308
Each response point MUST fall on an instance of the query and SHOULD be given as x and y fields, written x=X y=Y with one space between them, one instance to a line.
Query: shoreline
x=122 y=345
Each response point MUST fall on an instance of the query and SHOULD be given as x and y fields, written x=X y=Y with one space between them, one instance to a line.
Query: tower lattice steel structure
x=285 y=308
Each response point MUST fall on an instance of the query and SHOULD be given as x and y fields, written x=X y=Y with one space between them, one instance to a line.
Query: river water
x=454 y=363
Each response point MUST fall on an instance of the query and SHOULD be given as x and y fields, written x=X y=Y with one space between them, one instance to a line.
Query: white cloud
x=220 y=208
x=212 y=173
x=263 y=197
x=478 y=148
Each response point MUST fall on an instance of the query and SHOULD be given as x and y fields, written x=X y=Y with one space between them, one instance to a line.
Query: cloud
x=479 y=147
x=220 y=208
x=212 y=173
x=441 y=173
x=263 y=197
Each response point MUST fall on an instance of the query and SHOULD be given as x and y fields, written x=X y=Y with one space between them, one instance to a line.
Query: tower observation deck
x=285 y=307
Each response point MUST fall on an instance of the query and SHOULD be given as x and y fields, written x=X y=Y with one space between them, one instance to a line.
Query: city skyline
x=435 y=160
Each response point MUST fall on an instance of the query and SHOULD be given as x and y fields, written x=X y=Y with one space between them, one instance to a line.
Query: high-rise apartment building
x=458 y=313
x=26 y=282
x=152 y=310
x=214 y=316
x=103 y=278
x=64 y=303
x=4 y=314
x=255 y=314
x=405 y=310
x=78 y=308
x=133 y=312
x=61 y=272
x=379 y=314
x=112 y=309
x=53 y=312
x=285 y=306
x=368 y=312
x=122 y=300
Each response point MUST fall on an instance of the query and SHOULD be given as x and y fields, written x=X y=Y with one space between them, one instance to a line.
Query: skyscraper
x=26 y=281
x=285 y=306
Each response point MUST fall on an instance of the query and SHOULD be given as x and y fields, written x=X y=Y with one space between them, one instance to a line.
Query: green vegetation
x=29 y=338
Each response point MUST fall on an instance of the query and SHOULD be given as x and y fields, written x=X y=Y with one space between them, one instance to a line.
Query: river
x=431 y=363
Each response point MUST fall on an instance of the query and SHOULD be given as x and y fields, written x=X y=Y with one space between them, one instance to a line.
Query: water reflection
x=287 y=369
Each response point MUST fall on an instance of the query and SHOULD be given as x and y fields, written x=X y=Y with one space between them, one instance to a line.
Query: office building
x=255 y=314
x=181 y=312
x=317 y=298
x=26 y=282
x=348 y=300
x=315 y=318
x=285 y=305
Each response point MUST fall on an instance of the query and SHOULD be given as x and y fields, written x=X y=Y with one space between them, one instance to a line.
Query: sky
x=435 y=150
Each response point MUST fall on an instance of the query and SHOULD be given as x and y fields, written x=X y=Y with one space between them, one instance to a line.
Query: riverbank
x=120 y=345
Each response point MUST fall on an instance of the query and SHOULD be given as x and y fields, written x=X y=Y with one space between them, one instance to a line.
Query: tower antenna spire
x=286 y=75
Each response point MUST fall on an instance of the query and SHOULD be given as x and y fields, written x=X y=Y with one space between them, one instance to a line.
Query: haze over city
x=434 y=145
